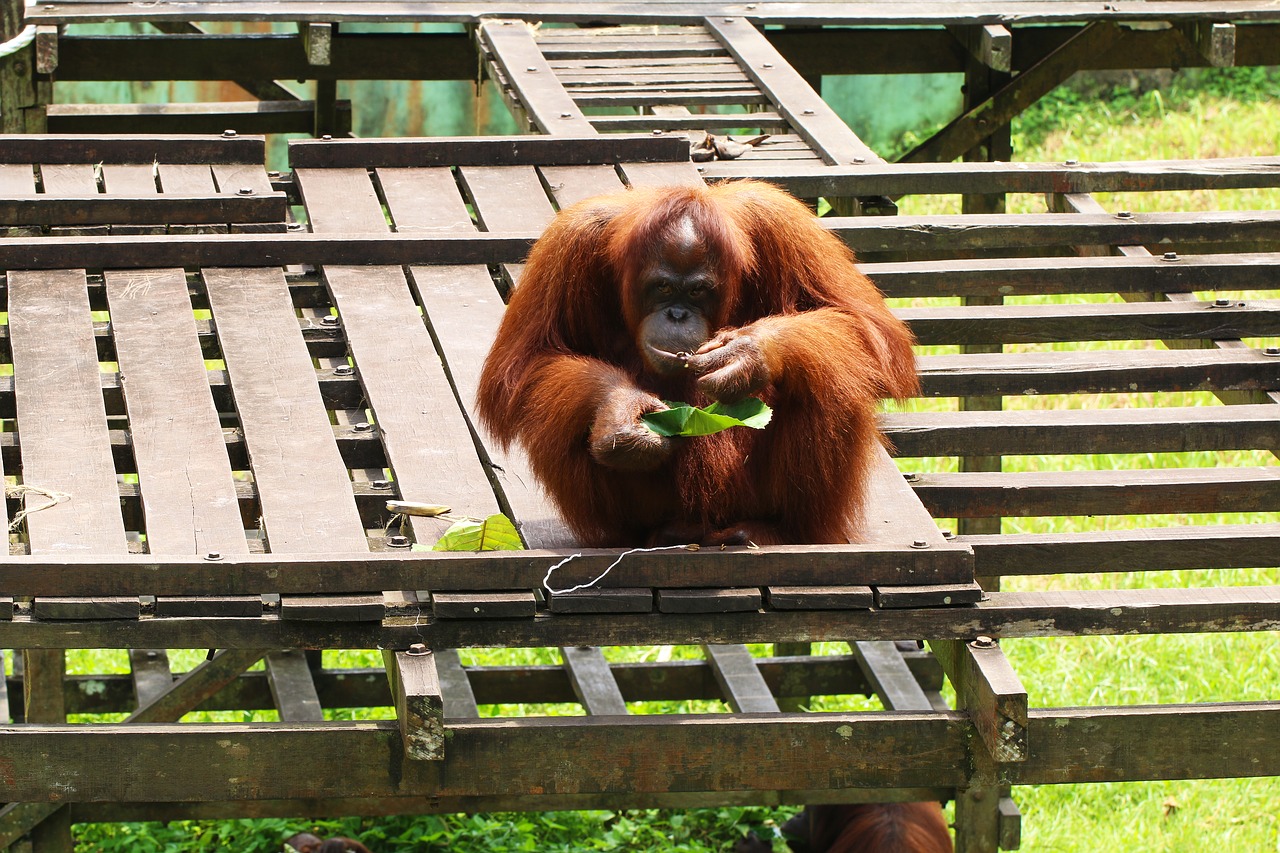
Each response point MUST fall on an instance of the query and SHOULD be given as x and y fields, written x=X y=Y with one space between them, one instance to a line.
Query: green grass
x=1203 y=114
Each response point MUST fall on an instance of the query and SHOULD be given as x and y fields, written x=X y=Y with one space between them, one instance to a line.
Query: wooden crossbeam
x=991 y=692
x=740 y=681
x=593 y=681
x=416 y=694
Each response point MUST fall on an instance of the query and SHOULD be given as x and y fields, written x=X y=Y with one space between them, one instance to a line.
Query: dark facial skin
x=678 y=294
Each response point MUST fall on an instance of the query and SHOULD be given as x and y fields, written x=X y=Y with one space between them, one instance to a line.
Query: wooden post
x=24 y=94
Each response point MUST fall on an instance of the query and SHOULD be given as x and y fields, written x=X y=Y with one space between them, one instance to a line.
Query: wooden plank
x=819 y=597
x=1225 y=546
x=344 y=571
x=292 y=690
x=76 y=209
x=1178 y=490
x=184 y=473
x=333 y=608
x=1101 y=371
x=196 y=685
x=1212 y=320
x=636 y=600
x=455 y=686
x=991 y=44
x=796 y=101
x=1088 y=613
x=535 y=85
x=889 y=675
x=203 y=117
x=935 y=595
x=428 y=441
x=741 y=684
x=72 y=609
x=571 y=184
x=764 y=121
x=485 y=151
x=740 y=600
x=305 y=493
x=483 y=605
x=593 y=682
x=91 y=150
x=420 y=708
x=1028 y=177
x=991 y=692
x=1026 y=432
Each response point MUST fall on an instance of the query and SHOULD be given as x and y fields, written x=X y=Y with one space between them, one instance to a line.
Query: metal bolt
x=1124 y=214
x=948 y=534
x=983 y=642
x=381 y=484
x=806 y=112
x=228 y=133
x=419 y=649
x=1170 y=256
x=397 y=541
x=213 y=555
x=767 y=65
x=657 y=132
x=343 y=370
x=363 y=426
x=245 y=191
x=920 y=543
x=273 y=174
x=728 y=20
x=566 y=115
x=295 y=226
x=911 y=477
x=327 y=137
x=1221 y=303
x=329 y=320
x=1072 y=163
x=859 y=159
x=1271 y=351
x=152 y=654
x=531 y=69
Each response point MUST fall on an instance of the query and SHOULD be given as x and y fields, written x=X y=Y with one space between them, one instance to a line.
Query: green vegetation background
x=1196 y=114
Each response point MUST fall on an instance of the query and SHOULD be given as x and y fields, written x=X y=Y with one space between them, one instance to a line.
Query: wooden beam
x=593 y=681
x=740 y=681
x=990 y=44
x=989 y=690
x=415 y=691
x=1215 y=41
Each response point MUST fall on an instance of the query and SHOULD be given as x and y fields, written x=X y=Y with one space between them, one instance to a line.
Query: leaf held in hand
x=495 y=533
x=683 y=419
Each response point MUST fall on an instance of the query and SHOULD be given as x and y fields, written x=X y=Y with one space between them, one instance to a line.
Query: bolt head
x=1125 y=214
x=919 y=544
x=245 y=191
x=329 y=320
x=363 y=426
x=213 y=556
x=398 y=541
x=1072 y=163
x=1222 y=303
x=1170 y=256
x=1272 y=351
x=229 y=133
x=343 y=370
x=806 y=112
x=381 y=484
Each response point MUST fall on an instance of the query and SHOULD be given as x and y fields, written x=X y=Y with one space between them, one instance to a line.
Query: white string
x=546 y=580
x=55 y=498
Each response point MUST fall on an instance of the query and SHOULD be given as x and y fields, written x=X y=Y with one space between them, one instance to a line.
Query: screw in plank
x=806 y=112
x=329 y=320
x=1124 y=214
x=327 y=137
x=228 y=134
x=295 y=226
x=657 y=132
x=1271 y=351
x=859 y=159
x=397 y=541
x=983 y=643
x=1221 y=303
x=213 y=556
x=363 y=426
x=531 y=69
x=1072 y=163
x=911 y=477
x=566 y=115
x=419 y=649
x=1170 y=256
x=948 y=534
x=245 y=191
x=381 y=484
x=728 y=20
x=767 y=65
x=343 y=370
x=920 y=544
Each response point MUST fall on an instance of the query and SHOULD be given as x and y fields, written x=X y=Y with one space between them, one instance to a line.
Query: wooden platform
x=228 y=404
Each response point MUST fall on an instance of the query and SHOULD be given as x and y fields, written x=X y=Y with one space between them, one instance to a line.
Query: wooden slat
x=887 y=671
x=738 y=600
x=292 y=690
x=931 y=595
x=305 y=493
x=1162 y=429
x=428 y=442
x=483 y=605
x=1101 y=371
x=184 y=473
x=1093 y=322
x=482 y=151
x=535 y=85
x=593 y=681
x=743 y=687
x=87 y=210
x=1121 y=492
x=145 y=149
x=990 y=691
x=455 y=687
x=795 y=99
x=820 y=597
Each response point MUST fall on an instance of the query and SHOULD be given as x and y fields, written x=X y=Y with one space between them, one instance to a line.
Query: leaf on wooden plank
x=495 y=533
x=683 y=419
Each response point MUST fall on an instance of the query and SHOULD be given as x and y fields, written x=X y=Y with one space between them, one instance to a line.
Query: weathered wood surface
x=141 y=149
x=1084 y=613
x=1022 y=11
x=486 y=151
x=416 y=696
x=510 y=757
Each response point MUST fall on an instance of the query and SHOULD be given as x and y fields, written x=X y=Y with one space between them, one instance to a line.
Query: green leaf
x=495 y=533
x=683 y=419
